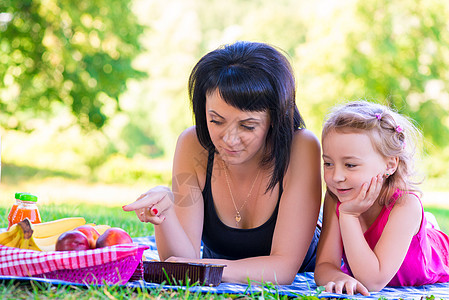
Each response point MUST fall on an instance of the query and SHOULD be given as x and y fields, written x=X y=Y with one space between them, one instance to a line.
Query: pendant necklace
x=237 y=216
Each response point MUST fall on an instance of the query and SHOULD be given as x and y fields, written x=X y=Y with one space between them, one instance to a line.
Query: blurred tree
x=180 y=32
x=398 y=54
x=77 y=53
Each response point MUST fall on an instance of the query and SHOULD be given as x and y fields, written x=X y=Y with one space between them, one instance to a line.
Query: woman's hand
x=346 y=284
x=153 y=205
x=365 y=199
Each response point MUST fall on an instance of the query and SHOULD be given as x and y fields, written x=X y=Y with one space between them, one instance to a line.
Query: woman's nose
x=231 y=136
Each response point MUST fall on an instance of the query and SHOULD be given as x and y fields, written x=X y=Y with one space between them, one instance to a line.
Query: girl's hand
x=153 y=205
x=348 y=284
x=365 y=199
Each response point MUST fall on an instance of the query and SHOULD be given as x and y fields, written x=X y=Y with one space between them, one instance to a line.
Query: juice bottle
x=13 y=209
x=27 y=209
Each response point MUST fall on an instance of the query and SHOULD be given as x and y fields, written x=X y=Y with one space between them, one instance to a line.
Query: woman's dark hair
x=251 y=77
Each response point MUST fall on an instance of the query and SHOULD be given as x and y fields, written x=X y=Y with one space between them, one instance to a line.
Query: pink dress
x=427 y=259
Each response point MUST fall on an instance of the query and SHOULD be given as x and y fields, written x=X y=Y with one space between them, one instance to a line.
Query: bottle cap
x=28 y=197
x=17 y=195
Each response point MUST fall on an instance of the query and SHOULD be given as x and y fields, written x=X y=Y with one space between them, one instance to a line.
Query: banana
x=7 y=236
x=102 y=228
x=33 y=245
x=48 y=229
x=51 y=240
x=45 y=248
x=27 y=241
x=15 y=241
x=42 y=236
x=24 y=243
x=20 y=235
x=48 y=243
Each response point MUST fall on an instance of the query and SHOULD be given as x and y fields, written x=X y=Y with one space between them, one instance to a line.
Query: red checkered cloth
x=20 y=262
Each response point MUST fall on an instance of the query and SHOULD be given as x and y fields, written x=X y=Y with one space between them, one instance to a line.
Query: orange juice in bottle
x=14 y=208
x=27 y=209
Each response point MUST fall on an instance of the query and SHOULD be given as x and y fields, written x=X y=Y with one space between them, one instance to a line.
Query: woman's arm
x=375 y=268
x=297 y=218
x=177 y=213
x=180 y=233
x=328 y=271
x=299 y=207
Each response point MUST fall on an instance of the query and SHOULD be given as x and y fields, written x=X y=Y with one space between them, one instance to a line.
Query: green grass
x=36 y=290
x=442 y=216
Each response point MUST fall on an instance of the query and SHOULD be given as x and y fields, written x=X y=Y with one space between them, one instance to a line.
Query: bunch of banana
x=49 y=243
x=20 y=235
x=46 y=234
x=42 y=236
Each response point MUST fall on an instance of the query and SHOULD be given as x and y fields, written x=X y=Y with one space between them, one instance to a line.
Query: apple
x=72 y=240
x=113 y=236
x=91 y=234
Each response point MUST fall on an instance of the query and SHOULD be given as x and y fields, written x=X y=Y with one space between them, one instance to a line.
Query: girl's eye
x=327 y=164
x=351 y=165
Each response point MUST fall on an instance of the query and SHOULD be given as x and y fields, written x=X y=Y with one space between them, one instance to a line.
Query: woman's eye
x=351 y=165
x=326 y=164
x=215 y=122
x=248 y=127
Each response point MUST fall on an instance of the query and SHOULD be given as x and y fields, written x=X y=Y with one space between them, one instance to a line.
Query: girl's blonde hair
x=392 y=135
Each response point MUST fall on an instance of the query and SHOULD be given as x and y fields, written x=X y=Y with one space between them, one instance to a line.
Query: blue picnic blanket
x=303 y=284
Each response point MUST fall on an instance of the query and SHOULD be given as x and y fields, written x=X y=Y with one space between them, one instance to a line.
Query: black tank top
x=222 y=241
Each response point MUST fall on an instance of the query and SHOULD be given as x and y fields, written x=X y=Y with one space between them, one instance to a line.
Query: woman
x=246 y=178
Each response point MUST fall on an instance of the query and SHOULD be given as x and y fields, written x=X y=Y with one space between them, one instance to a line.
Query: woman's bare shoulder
x=307 y=137
x=188 y=140
x=305 y=145
x=188 y=135
x=189 y=151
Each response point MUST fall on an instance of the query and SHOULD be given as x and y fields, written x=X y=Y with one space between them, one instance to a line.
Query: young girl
x=373 y=217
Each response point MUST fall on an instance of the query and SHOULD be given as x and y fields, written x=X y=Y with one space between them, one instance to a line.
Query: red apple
x=113 y=236
x=72 y=240
x=91 y=234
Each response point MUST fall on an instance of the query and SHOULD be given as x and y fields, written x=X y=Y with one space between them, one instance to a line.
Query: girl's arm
x=375 y=268
x=298 y=214
x=329 y=255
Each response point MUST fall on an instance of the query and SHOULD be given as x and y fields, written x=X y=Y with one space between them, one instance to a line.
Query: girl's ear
x=392 y=164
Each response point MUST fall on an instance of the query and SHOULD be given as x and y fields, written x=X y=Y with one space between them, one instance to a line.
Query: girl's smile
x=343 y=191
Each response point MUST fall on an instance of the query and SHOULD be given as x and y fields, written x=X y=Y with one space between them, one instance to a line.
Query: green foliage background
x=96 y=90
